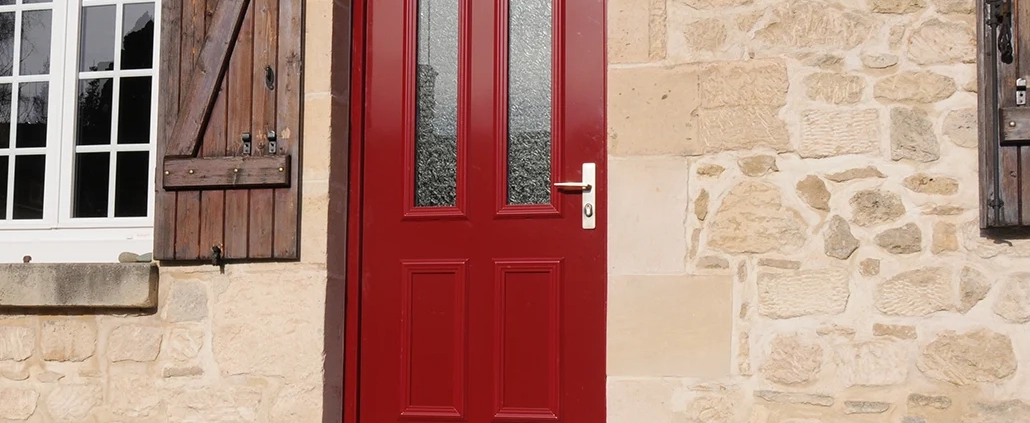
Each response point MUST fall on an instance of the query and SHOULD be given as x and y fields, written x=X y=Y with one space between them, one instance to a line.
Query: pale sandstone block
x=956 y=6
x=906 y=239
x=811 y=25
x=636 y=31
x=184 y=343
x=134 y=343
x=960 y=128
x=714 y=4
x=711 y=408
x=710 y=170
x=134 y=395
x=857 y=173
x=803 y=292
x=963 y=358
x=874 y=207
x=945 y=237
x=642 y=400
x=879 y=61
x=871 y=363
x=827 y=133
x=779 y=263
x=896 y=6
x=49 y=377
x=931 y=184
x=915 y=86
x=746 y=21
x=68 y=340
x=753 y=219
x=866 y=407
x=1013 y=302
x=744 y=354
x=912 y=136
x=1010 y=411
x=17 y=404
x=813 y=192
x=792 y=360
x=834 y=88
x=896 y=331
x=653 y=330
x=705 y=35
x=640 y=241
x=297 y=403
x=936 y=42
x=795 y=398
x=701 y=205
x=16 y=342
x=215 y=404
x=73 y=402
x=743 y=128
x=170 y=372
x=745 y=83
x=917 y=292
x=187 y=302
x=939 y=402
x=973 y=287
x=756 y=166
x=713 y=262
x=838 y=242
x=869 y=267
x=650 y=111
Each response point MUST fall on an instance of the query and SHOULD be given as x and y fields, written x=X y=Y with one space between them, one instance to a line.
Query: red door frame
x=355 y=185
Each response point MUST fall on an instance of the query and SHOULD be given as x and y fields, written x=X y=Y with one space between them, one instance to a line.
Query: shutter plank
x=237 y=202
x=168 y=108
x=187 y=230
x=212 y=202
x=262 y=207
x=288 y=117
x=1009 y=155
x=1021 y=32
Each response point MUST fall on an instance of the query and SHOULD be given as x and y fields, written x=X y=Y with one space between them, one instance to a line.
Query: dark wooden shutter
x=229 y=67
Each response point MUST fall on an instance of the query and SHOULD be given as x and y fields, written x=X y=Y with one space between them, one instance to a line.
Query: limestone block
x=636 y=31
x=187 y=302
x=834 y=88
x=856 y=173
x=896 y=6
x=753 y=219
x=955 y=6
x=745 y=83
x=916 y=292
x=906 y=239
x=963 y=358
x=814 y=193
x=936 y=42
x=811 y=25
x=134 y=343
x=879 y=61
x=973 y=287
x=713 y=262
x=650 y=111
x=872 y=207
x=705 y=34
x=713 y=4
x=1013 y=302
x=828 y=133
x=939 y=402
x=184 y=343
x=68 y=339
x=912 y=136
x=652 y=330
x=960 y=127
x=134 y=395
x=743 y=128
x=633 y=400
x=803 y=292
x=711 y=408
x=866 y=407
x=792 y=360
x=641 y=241
x=895 y=331
x=710 y=170
x=73 y=402
x=756 y=166
x=869 y=267
x=215 y=404
x=795 y=398
x=1010 y=411
x=17 y=404
x=297 y=403
x=838 y=242
x=915 y=86
x=16 y=342
x=104 y=285
x=931 y=184
x=945 y=237
x=871 y=363
x=701 y=205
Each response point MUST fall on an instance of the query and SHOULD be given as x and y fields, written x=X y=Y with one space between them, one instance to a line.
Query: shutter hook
x=217 y=259
x=269 y=78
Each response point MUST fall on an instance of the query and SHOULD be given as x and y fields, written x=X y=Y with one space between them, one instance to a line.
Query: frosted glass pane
x=529 y=102
x=436 y=139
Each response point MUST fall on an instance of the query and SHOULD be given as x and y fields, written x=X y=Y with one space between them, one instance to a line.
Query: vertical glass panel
x=138 y=36
x=33 y=103
x=37 y=1
x=436 y=96
x=6 y=43
x=3 y=187
x=6 y=2
x=134 y=111
x=130 y=184
x=94 y=114
x=5 y=115
x=29 y=183
x=529 y=102
x=35 y=42
x=96 y=43
x=91 y=182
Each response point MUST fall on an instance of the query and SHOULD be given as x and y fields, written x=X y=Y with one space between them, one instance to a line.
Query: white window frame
x=58 y=237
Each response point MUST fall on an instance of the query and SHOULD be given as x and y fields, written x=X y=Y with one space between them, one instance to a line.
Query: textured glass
x=5 y=115
x=134 y=111
x=35 y=42
x=138 y=36
x=130 y=184
x=29 y=184
x=33 y=103
x=6 y=43
x=96 y=39
x=436 y=96
x=3 y=187
x=529 y=102
x=91 y=183
x=94 y=112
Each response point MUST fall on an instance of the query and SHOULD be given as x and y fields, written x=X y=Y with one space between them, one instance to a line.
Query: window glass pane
x=6 y=43
x=33 y=101
x=35 y=42
x=6 y=2
x=138 y=36
x=5 y=115
x=37 y=1
x=134 y=111
x=96 y=43
x=3 y=187
x=91 y=184
x=130 y=190
x=94 y=114
x=529 y=102
x=436 y=95
x=29 y=184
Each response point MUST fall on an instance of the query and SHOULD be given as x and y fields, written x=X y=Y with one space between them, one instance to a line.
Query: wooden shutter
x=229 y=68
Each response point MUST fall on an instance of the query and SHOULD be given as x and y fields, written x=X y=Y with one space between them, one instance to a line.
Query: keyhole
x=269 y=78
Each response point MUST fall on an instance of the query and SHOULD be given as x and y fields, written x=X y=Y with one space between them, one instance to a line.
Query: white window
x=78 y=114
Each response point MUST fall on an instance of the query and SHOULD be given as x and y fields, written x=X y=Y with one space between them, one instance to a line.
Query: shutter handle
x=272 y=145
x=246 y=143
x=269 y=78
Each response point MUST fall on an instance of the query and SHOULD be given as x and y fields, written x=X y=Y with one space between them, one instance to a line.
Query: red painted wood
x=534 y=281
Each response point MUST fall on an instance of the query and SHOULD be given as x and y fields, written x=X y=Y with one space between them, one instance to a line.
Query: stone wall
x=793 y=234
x=243 y=346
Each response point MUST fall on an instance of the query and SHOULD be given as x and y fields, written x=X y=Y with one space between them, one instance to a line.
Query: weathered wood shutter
x=229 y=68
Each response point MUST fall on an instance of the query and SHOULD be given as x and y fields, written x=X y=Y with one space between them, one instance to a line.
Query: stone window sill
x=78 y=285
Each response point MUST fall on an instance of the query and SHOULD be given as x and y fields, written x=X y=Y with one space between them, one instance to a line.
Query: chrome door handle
x=589 y=195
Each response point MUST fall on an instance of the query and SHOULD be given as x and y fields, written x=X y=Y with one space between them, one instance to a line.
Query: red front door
x=483 y=281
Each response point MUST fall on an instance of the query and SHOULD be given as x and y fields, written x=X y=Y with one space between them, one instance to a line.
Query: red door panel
x=482 y=295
